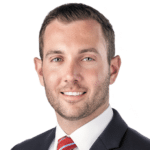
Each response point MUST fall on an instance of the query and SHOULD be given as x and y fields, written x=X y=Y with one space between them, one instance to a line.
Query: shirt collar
x=85 y=136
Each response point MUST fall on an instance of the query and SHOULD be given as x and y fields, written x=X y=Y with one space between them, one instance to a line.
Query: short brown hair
x=72 y=12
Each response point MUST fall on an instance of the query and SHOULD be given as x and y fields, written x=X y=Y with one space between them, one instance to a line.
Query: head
x=77 y=55
x=72 y=12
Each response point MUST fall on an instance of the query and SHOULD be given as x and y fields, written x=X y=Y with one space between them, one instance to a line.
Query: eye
x=57 y=58
x=89 y=58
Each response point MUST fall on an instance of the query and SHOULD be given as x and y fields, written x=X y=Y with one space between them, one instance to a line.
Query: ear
x=114 y=68
x=38 y=68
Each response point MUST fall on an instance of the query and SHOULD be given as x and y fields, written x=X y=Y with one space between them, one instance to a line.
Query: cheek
x=92 y=77
x=51 y=79
x=95 y=77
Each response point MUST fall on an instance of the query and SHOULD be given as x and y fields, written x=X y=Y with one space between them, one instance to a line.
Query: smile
x=72 y=97
x=73 y=93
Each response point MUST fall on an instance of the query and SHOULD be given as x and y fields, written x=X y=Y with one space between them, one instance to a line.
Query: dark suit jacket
x=116 y=136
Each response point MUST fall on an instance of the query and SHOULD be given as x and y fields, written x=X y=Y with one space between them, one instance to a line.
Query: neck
x=70 y=126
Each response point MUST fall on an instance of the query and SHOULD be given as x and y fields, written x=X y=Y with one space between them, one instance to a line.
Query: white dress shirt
x=85 y=136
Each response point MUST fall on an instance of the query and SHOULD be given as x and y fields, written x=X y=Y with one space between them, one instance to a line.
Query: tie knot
x=66 y=143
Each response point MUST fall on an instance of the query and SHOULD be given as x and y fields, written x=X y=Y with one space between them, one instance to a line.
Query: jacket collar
x=48 y=140
x=109 y=139
x=112 y=135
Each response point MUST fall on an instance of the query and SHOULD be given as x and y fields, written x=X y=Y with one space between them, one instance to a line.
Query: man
x=77 y=65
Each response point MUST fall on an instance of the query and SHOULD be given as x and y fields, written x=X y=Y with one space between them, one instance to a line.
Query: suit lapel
x=109 y=139
x=48 y=140
x=98 y=145
x=112 y=135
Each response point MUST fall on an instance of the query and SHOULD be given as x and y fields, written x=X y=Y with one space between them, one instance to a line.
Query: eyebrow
x=88 y=50
x=80 y=52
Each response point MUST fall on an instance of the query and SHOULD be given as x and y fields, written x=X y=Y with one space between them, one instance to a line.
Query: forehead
x=75 y=27
x=75 y=34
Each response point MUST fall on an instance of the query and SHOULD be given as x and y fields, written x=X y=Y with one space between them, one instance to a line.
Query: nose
x=72 y=72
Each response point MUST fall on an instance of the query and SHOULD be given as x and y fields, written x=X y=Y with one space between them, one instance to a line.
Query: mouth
x=73 y=96
x=73 y=93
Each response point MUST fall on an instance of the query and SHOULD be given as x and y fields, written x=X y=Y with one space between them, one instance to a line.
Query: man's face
x=75 y=60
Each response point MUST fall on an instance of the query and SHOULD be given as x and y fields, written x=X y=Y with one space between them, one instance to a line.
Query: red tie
x=66 y=143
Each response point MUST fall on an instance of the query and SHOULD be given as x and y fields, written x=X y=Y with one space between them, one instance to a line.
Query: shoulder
x=35 y=142
x=134 y=140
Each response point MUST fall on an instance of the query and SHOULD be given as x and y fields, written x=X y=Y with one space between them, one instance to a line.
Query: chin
x=71 y=115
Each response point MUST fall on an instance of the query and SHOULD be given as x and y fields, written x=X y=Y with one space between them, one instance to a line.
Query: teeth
x=73 y=93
